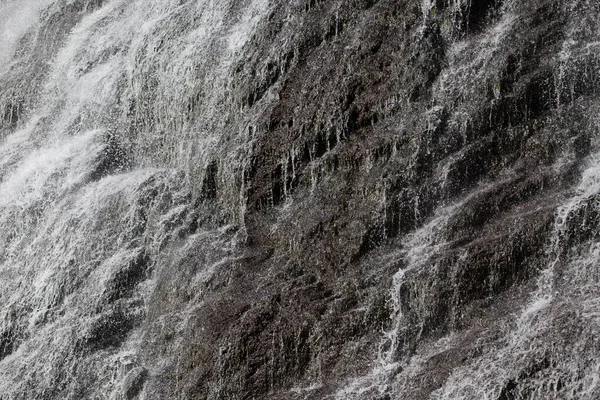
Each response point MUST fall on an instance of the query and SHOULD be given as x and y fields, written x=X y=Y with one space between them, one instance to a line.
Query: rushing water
x=119 y=117
x=94 y=179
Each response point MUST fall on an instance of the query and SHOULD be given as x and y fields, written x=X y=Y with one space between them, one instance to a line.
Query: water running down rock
x=346 y=199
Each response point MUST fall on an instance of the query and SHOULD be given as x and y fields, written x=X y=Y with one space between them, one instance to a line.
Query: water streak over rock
x=345 y=199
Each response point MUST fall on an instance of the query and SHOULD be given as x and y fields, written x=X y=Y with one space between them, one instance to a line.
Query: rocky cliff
x=311 y=199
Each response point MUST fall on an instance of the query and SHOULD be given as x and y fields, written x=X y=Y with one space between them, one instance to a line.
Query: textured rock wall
x=347 y=199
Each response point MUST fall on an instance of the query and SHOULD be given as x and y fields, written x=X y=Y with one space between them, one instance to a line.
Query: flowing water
x=94 y=180
x=118 y=120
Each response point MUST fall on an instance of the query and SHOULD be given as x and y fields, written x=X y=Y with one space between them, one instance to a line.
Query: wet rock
x=8 y=342
x=113 y=158
x=124 y=280
x=348 y=199
x=107 y=329
x=134 y=382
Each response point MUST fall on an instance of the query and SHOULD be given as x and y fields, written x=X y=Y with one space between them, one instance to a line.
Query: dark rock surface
x=367 y=200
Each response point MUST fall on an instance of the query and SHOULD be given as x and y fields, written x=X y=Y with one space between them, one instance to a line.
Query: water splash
x=101 y=178
x=532 y=342
x=16 y=19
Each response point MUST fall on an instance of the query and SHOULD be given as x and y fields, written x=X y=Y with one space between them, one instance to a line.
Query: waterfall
x=360 y=200
x=97 y=176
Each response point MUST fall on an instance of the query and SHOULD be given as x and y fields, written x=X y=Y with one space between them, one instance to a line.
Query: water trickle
x=248 y=199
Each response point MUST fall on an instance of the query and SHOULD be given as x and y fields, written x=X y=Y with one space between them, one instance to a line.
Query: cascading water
x=217 y=199
x=554 y=304
x=95 y=181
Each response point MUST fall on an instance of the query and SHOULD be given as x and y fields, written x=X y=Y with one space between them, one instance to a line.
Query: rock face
x=345 y=199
